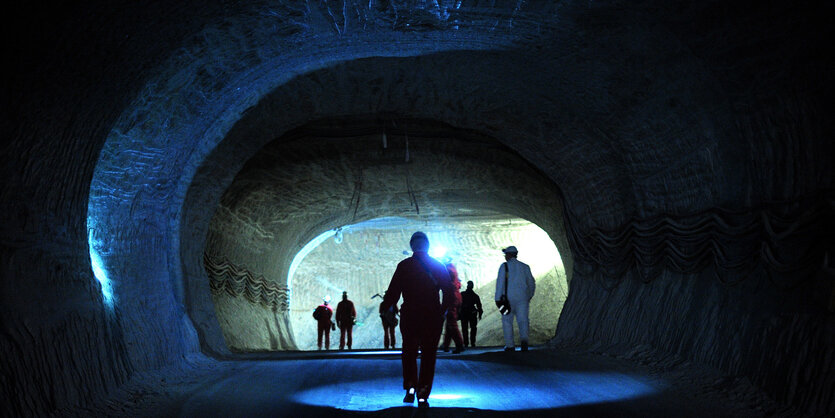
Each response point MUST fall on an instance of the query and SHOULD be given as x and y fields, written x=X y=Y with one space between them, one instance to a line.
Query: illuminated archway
x=362 y=262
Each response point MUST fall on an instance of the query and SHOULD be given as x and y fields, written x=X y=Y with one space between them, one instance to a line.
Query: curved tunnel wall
x=330 y=174
x=637 y=112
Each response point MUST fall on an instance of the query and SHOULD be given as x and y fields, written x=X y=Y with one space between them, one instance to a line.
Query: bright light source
x=437 y=251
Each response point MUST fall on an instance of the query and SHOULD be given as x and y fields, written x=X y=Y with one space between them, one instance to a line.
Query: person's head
x=510 y=252
x=470 y=285
x=345 y=295
x=419 y=242
x=326 y=299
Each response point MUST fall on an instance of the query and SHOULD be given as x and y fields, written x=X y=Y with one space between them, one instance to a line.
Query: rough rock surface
x=689 y=141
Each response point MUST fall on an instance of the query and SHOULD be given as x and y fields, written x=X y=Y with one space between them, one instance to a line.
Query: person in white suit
x=520 y=289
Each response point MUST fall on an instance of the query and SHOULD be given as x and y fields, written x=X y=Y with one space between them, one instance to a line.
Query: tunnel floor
x=479 y=382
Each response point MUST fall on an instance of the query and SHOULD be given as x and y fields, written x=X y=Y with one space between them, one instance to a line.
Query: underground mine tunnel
x=184 y=181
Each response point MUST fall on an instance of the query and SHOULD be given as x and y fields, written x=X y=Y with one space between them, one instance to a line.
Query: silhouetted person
x=389 y=319
x=345 y=316
x=470 y=314
x=322 y=314
x=516 y=280
x=419 y=278
x=452 y=333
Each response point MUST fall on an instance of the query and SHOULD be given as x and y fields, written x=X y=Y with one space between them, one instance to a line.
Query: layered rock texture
x=678 y=154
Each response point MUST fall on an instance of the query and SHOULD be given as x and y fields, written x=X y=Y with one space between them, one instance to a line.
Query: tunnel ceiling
x=338 y=172
x=331 y=174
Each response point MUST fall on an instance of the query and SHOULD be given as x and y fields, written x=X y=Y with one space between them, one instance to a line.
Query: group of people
x=467 y=309
x=346 y=318
x=418 y=279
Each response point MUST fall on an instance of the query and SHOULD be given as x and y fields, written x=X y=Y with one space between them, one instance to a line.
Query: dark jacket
x=420 y=294
x=345 y=313
x=470 y=305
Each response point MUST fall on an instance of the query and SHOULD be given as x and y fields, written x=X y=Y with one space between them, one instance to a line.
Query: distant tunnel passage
x=468 y=192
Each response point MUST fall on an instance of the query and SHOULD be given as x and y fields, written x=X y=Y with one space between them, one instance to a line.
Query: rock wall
x=124 y=123
x=755 y=306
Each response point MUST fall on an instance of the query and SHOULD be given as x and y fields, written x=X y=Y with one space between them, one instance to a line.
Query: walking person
x=419 y=278
x=451 y=331
x=516 y=282
x=346 y=315
x=389 y=319
x=323 y=314
x=470 y=314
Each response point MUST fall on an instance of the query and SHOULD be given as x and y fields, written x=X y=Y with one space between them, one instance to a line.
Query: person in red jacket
x=452 y=332
x=322 y=314
x=419 y=278
x=345 y=316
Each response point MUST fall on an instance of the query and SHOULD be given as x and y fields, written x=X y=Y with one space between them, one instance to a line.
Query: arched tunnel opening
x=359 y=259
x=165 y=164
x=368 y=183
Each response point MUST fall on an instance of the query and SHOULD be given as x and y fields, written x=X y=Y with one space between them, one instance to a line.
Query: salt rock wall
x=757 y=306
x=637 y=110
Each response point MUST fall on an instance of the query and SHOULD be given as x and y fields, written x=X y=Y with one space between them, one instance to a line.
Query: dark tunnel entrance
x=377 y=180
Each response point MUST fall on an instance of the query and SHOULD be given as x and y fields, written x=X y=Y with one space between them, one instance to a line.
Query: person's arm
x=394 y=290
x=477 y=305
x=448 y=289
x=531 y=282
x=353 y=312
x=499 y=284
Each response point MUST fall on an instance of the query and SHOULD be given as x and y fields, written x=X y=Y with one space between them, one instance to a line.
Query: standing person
x=418 y=278
x=322 y=314
x=451 y=331
x=345 y=316
x=389 y=320
x=516 y=281
x=470 y=313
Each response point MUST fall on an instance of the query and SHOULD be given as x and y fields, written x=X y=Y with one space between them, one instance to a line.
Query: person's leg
x=456 y=336
x=447 y=335
x=473 y=330
x=507 y=328
x=430 y=336
x=385 y=336
x=350 y=331
x=408 y=357
x=342 y=332
x=327 y=337
x=464 y=330
x=391 y=337
x=319 y=332
x=522 y=321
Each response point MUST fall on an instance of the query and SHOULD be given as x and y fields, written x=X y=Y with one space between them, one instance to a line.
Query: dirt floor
x=479 y=382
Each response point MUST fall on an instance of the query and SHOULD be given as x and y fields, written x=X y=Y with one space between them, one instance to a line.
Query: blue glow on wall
x=100 y=272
